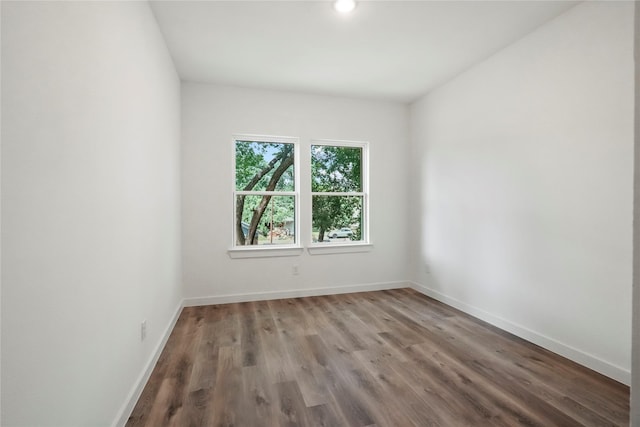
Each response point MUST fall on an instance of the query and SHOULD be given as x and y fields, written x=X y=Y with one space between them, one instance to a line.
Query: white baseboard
x=138 y=387
x=294 y=293
x=592 y=362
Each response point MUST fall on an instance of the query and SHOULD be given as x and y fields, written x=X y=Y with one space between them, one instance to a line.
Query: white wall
x=523 y=170
x=635 y=360
x=211 y=115
x=90 y=207
x=0 y=226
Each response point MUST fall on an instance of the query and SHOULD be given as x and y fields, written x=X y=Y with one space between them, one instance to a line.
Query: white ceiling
x=394 y=50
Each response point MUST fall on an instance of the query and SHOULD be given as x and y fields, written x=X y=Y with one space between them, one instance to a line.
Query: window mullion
x=329 y=193
x=266 y=193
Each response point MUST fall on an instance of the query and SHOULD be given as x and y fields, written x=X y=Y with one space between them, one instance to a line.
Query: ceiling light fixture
x=344 y=6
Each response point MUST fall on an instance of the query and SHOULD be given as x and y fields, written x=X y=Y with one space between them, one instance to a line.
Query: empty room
x=318 y=213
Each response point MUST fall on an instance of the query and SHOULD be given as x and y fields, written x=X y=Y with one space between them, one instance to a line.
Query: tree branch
x=241 y=240
x=257 y=214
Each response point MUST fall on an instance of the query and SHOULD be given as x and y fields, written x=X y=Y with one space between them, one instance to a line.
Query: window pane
x=265 y=220
x=264 y=166
x=337 y=219
x=336 y=169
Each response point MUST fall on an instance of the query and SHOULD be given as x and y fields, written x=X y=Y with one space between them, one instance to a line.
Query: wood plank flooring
x=389 y=358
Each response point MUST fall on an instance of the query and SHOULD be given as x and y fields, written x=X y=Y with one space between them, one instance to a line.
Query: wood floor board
x=337 y=321
x=514 y=401
x=259 y=397
x=249 y=339
x=443 y=385
x=314 y=391
x=469 y=333
x=156 y=393
x=225 y=409
x=348 y=394
x=374 y=322
x=287 y=317
x=331 y=335
x=371 y=359
x=194 y=412
x=326 y=415
x=404 y=335
x=378 y=366
x=371 y=392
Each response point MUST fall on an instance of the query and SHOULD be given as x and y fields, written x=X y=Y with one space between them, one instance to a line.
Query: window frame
x=356 y=246
x=251 y=251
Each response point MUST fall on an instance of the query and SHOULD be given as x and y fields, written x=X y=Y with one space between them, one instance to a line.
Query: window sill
x=238 y=253
x=345 y=248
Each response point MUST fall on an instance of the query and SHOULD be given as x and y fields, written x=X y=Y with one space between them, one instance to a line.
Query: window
x=267 y=199
x=265 y=191
x=339 y=192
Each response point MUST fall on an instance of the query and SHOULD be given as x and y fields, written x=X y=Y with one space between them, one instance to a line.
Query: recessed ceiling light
x=344 y=6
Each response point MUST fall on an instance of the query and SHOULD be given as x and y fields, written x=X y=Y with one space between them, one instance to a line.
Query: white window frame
x=256 y=251
x=363 y=245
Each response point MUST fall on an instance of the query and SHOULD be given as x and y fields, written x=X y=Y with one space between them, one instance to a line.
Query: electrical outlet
x=295 y=270
x=143 y=330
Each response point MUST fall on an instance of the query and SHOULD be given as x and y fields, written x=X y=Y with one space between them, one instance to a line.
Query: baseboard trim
x=295 y=293
x=138 y=387
x=592 y=362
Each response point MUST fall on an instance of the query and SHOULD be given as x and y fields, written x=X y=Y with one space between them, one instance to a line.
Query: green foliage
x=249 y=161
x=336 y=169
x=268 y=167
x=283 y=212
x=252 y=158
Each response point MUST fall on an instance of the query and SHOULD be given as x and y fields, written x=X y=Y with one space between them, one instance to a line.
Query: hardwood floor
x=389 y=358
